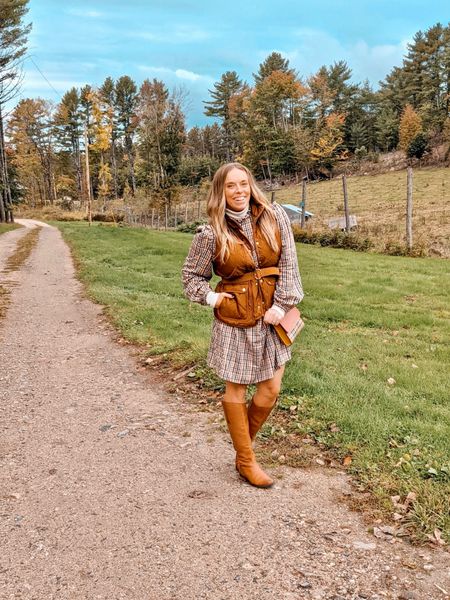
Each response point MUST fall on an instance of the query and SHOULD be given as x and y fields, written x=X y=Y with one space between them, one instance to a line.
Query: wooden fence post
x=303 y=203
x=186 y=213
x=158 y=218
x=198 y=210
x=272 y=197
x=176 y=218
x=347 y=216
x=409 y=209
x=153 y=218
x=167 y=216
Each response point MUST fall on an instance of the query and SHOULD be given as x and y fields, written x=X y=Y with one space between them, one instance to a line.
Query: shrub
x=334 y=238
x=190 y=227
x=417 y=146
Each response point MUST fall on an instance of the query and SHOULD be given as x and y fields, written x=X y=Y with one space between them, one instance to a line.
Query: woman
x=249 y=244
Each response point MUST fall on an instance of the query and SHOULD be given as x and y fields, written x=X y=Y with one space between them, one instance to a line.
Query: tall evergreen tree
x=126 y=103
x=274 y=62
x=69 y=131
x=108 y=94
x=13 y=39
x=224 y=90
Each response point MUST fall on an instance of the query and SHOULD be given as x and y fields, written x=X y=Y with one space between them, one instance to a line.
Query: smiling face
x=237 y=190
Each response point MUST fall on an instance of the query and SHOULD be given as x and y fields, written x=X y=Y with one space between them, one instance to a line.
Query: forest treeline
x=281 y=124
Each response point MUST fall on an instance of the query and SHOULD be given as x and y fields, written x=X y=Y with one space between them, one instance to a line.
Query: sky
x=191 y=43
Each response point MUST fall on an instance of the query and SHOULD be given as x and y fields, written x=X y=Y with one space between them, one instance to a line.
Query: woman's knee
x=234 y=392
x=269 y=390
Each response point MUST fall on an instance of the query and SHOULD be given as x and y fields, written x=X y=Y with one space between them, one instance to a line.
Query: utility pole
x=303 y=202
x=409 y=209
x=347 y=216
x=88 y=177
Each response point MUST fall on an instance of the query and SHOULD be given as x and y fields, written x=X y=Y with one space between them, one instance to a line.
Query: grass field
x=368 y=378
x=4 y=227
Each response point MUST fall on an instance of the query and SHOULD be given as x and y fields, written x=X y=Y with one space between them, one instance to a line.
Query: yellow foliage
x=410 y=126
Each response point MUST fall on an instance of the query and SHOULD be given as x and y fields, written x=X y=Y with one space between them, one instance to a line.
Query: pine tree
x=126 y=104
x=224 y=90
x=68 y=125
x=13 y=39
x=274 y=62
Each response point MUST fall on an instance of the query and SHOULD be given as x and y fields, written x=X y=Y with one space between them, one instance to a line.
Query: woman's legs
x=235 y=410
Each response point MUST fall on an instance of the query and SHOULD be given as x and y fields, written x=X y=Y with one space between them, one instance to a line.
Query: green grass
x=4 y=227
x=368 y=317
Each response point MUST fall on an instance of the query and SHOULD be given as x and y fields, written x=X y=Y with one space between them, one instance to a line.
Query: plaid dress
x=252 y=354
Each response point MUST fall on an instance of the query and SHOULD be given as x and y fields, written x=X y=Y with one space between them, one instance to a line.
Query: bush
x=334 y=238
x=396 y=249
x=107 y=217
x=190 y=227
x=417 y=146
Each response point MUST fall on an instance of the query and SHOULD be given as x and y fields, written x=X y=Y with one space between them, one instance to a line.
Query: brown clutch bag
x=290 y=326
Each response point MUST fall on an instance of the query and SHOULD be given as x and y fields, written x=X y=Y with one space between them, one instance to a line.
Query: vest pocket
x=267 y=286
x=237 y=307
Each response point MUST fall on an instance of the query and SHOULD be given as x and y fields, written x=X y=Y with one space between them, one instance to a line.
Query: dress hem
x=253 y=381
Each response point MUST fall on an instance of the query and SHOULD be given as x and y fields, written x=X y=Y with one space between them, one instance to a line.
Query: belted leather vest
x=252 y=288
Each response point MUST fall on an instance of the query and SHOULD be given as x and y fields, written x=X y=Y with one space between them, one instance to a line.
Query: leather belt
x=256 y=274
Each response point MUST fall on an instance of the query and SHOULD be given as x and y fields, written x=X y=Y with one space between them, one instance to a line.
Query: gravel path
x=110 y=488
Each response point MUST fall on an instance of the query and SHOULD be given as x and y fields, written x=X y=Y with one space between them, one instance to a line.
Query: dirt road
x=112 y=489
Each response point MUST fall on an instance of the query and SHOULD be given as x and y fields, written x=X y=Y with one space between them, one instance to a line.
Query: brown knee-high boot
x=237 y=421
x=257 y=416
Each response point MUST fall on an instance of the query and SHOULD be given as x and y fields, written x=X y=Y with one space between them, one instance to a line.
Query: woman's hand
x=272 y=316
x=220 y=298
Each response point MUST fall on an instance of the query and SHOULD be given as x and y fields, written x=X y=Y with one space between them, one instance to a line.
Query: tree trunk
x=114 y=167
x=6 y=214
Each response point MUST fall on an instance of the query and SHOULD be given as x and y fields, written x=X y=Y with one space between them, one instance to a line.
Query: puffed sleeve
x=197 y=268
x=289 y=291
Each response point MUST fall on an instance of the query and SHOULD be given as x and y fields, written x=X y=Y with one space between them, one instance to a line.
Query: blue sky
x=190 y=43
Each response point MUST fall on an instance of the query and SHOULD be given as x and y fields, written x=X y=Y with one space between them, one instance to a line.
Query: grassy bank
x=4 y=227
x=368 y=378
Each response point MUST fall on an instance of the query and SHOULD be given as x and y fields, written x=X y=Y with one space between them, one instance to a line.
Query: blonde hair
x=216 y=205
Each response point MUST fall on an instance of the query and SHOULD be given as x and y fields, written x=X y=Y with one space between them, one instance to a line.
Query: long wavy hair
x=216 y=205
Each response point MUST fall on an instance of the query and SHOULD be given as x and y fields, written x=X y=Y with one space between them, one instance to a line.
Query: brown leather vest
x=252 y=288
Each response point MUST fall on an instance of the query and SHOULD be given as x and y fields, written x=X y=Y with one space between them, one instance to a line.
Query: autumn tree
x=410 y=126
x=13 y=39
x=100 y=134
x=30 y=130
x=161 y=132
x=328 y=148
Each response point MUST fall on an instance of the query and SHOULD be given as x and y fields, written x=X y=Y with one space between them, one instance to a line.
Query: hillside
x=379 y=203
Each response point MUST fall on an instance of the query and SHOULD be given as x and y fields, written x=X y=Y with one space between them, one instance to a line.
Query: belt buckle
x=258 y=274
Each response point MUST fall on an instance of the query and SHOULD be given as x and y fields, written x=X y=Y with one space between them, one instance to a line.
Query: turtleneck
x=237 y=215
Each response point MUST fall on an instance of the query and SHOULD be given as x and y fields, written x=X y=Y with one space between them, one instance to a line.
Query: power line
x=49 y=83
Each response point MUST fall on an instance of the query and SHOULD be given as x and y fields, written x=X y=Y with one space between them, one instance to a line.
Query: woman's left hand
x=272 y=317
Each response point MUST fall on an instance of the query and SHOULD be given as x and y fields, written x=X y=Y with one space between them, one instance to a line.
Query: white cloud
x=182 y=74
x=316 y=48
x=149 y=69
x=178 y=73
x=176 y=35
x=90 y=14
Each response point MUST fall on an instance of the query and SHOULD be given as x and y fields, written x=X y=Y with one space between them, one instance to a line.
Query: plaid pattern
x=253 y=354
